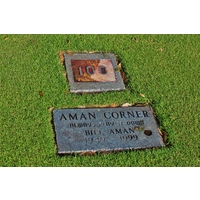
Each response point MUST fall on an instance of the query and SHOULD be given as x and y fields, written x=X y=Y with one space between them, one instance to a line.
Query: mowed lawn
x=160 y=70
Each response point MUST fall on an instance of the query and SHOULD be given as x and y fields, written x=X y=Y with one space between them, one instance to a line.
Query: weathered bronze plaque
x=93 y=72
x=105 y=129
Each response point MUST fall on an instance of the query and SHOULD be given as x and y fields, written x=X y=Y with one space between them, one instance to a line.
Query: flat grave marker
x=105 y=129
x=93 y=72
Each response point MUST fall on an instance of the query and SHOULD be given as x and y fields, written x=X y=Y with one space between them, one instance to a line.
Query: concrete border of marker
x=88 y=87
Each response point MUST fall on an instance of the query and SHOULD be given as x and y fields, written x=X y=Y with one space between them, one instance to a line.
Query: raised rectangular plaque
x=105 y=129
x=93 y=72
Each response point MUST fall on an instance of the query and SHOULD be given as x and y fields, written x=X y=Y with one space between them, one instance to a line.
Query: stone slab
x=105 y=129
x=93 y=72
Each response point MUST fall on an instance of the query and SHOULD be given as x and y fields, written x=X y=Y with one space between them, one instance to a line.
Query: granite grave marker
x=105 y=129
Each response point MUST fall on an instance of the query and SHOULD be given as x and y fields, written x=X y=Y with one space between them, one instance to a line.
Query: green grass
x=165 y=68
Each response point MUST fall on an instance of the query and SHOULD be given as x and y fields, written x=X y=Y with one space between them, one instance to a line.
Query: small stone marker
x=93 y=72
x=105 y=129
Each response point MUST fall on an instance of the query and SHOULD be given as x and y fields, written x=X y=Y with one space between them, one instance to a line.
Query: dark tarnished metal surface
x=105 y=129
x=93 y=72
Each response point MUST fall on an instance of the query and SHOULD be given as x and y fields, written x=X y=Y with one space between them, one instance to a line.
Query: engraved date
x=128 y=138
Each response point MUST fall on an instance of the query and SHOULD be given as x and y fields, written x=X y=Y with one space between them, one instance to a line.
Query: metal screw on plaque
x=148 y=132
